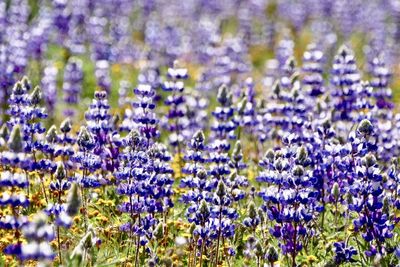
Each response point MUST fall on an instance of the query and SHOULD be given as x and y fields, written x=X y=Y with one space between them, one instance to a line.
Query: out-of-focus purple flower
x=49 y=87
x=13 y=182
x=380 y=82
x=72 y=85
x=313 y=69
x=345 y=78
x=102 y=74
x=38 y=234
x=175 y=121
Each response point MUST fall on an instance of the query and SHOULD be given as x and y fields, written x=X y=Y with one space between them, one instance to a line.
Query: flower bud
x=15 y=140
x=26 y=83
x=36 y=96
x=224 y=96
x=365 y=127
x=335 y=191
x=259 y=251
x=60 y=173
x=4 y=132
x=85 y=140
x=272 y=255
x=65 y=126
x=252 y=210
x=159 y=231
x=221 y=190
x=73 y=200
x=51 y=135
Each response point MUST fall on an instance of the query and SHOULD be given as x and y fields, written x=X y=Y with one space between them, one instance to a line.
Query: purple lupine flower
x=99 y=39
x=33 y=114
x=345 y=12
x=230 y=62
x=363 y=105
x=382 y=115
x=63 y=211
x=39 y=35
x=144 y=116
x=87 y=160
x=287 y=118
x=16 y=51
x=141 y=116
x=274 y=119
x=13 y=180
x=288 y=72
x=123 y=89
x=130 y=179
x=372 y=222
x=313 y=60
x=16 y=155
x=26 y=111
x=207 y=35
x=194 y=169
x=199 y=193
x=323 y=156
x=236 y=182
x=345 y=77
x=59 y=186
x=344 y=253
x=160 y=186
x=18 y=102
x=72 y=85
x=228 y=67
x=196 y=114
x=380 y=82
x=203 y=228
x=284 y=51
x=224 y=124
x=393 y=181
x=144 y=177
x=77 y=35
x=88 y=163
x=253 y=219
x=248 y=118
x=38 y=234
x=290 y=198
x=272 y=71
x=3 y=20
x=151 y=75
x=48 y=148
x=222 y=129
x=214 y=220
x=295 y=12
x=102 y=74
x=49 y=87
x=14 y=45
x=123 y=50
x=98 y=117
x=366 y=189
x=222 y=216
x=254 y=249
x=175 y=119
x=61 y=19
x=64 y=142
x=99 y=123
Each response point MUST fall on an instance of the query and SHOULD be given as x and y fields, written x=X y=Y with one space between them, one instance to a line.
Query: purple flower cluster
x=254 y=149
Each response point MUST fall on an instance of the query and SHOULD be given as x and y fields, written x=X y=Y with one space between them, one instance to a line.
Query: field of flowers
x=199 y=133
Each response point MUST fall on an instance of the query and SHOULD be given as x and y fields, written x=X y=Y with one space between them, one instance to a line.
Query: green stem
x=59 y=245
x=218 y=239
